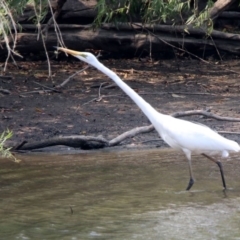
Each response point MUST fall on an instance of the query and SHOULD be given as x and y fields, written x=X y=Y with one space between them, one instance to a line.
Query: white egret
x=177 y=133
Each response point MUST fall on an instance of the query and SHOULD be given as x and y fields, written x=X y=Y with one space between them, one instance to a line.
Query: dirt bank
x=168 y=85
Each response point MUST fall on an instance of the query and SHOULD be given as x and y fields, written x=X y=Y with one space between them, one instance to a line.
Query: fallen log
x=77 y=141
x=131 y=42
x=156 y=28
x=129 y=39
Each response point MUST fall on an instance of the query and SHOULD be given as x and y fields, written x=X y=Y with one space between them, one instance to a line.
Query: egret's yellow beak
x=71 y=52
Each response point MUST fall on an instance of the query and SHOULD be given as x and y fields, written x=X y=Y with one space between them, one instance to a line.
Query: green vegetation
x=5 y=152
x=150 y=11
x=9 y=9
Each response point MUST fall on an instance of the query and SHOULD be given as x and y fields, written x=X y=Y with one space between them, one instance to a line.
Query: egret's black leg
x=220 y=167
x=222 y=175
x=191 y=182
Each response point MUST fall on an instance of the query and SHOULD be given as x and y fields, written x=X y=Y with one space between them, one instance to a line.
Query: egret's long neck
x=147 y=109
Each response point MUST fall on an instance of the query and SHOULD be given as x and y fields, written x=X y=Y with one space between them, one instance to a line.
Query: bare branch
x=219 y=6
x=171 y=45
x=131 y=133
x=47 y=56
x=69 y=78
x=227 y=132
x=205 y=113
x=11 y=26
x=4 y=91
x=146 y=129
x=49 y=88
x=56 y=27
x=58 y=10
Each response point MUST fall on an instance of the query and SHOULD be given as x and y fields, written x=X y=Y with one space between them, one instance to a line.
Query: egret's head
x=83 y=56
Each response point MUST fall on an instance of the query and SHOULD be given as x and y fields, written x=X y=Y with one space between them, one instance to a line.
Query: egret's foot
x=225 y=193
x=222 y=174
x=191 y=182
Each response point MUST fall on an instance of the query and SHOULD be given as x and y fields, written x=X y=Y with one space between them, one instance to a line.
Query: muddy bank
x=82 y=108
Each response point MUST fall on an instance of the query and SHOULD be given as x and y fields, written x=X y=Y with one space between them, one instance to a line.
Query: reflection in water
x=118 y=195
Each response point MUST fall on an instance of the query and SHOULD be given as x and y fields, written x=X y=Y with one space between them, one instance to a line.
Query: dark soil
x=168 y=85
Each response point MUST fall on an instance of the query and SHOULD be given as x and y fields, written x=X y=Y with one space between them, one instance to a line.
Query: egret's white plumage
x=177 y=133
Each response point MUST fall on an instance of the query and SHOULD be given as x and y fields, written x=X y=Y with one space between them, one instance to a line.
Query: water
x=118 y=195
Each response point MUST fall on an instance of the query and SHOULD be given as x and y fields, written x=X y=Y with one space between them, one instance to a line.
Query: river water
x=118 y=195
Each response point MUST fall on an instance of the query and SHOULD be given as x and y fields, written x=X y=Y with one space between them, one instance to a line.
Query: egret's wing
x=203 y=125
x=196 y=137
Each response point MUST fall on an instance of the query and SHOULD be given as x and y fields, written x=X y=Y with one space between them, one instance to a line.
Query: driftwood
x=83 y=142
x=90 y=142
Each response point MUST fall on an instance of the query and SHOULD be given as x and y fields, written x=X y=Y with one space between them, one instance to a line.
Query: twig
x=56 y=27
x=94 y=99
x=99 y=98
x=58 y=10
x=233 y=71
x=113 y=85
x=152 y=140
x=36 y=91
x=55 y=89
x=69 y=78
x=183 y=93
x=205 y=113
x=99 y=93
x=47 y=56
x=49 y=88
x=216 y=48
x=4 y=91
x=40 y=33
x=169 y=44
x=227 y=132
x=104 y=96
x=6 y=36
